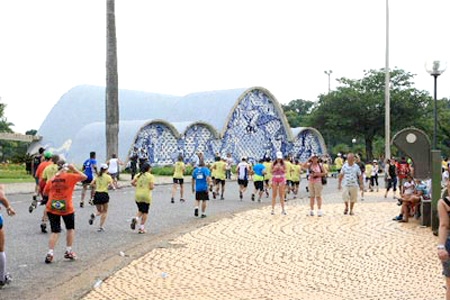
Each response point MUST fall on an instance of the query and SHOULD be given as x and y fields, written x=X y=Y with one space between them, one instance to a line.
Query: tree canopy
x=356 y=109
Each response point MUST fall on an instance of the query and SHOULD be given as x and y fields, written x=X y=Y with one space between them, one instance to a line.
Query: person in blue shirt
x=90 y=169
x=201 y=179
x=259 y=170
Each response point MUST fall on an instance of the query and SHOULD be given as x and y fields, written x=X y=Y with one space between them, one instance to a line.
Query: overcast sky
x=179 y=47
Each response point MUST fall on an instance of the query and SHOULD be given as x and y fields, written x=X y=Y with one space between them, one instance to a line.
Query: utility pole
x=329 y=79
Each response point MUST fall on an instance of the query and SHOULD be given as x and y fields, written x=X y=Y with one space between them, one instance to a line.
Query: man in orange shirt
x=60 y=204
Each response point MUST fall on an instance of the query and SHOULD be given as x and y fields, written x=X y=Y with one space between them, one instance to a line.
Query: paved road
x=98 y=252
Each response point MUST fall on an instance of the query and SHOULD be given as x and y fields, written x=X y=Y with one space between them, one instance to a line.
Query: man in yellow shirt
x=219 y=171
x=338 y=163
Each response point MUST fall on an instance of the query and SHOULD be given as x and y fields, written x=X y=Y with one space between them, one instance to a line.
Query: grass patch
x=12 y=173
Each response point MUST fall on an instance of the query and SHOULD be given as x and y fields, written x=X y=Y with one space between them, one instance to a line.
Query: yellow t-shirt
x=338 y=162
x=368 y=169
x=213 y=169
x=49 y=172
x=295 y=174
x=220 y=170
x=445 y=165
x=102 y=182
x=178 y=170
x=288 y=170
x=143 y=192
x=268 y=174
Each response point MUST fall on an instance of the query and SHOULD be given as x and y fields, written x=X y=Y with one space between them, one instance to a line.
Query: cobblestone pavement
x=254 y=255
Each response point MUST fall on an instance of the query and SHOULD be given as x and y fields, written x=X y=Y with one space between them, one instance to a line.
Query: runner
x=144 y=183
x=220 y=169
x=60 y=205
x=230 y=162
x=40 y=170
x=101 y=197
x=90 y=169
x=178 y=178
x=113 y=169
x=48 y=174
x=201 y=177
x=259 y=171
x=289 y=185
x=243 y=170
x=37 y=159
x=278 y=182
x=5 y=278
x=295 y=177
x=268 y=176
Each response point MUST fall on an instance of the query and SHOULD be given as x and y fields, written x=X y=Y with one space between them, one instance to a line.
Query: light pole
x=329 y=75
x=435 y=68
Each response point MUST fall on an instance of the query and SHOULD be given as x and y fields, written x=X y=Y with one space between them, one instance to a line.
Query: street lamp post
x=329 y=75
x=435 y=68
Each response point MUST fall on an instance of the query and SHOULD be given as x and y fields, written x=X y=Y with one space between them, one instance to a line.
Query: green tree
x=297 y=111
x=356 y=108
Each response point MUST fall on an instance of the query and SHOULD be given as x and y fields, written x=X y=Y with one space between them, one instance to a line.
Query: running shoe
x=172 y=200
x=91 y=219
x=101 y=229
x=283 y=213
x=142 y=231
x=196 y=212
x=203 y=216
x=240 y=195
x=133 y=223
x=319 y=213
x=222 y=198
x=311 y=213
x=70 y=255
x=272 y=212
x=182 y=200
x=48 y=258
x=253 y=197
x=214 y=195
x=82 y=204
x=44 y=227
x=6 y=280
x=91 y=201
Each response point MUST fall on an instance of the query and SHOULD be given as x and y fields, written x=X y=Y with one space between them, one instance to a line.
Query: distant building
x=245 y=122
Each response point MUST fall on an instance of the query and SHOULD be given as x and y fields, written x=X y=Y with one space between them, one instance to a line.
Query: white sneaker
x=311 y=213
x=319 y=213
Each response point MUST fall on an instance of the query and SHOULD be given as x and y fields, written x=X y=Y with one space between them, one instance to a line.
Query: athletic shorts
x=143 y=207
x=243 y=182
x=289 y=182
x=202 y=196
x=87 y=181
x=295 y=183
x=113 y=175
x=219 y=181
x=259 y=185
x=101 y=198
x=179 y=181
x=55 y=222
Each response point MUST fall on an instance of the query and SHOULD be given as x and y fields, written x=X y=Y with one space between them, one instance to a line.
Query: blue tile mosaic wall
x=255 y=130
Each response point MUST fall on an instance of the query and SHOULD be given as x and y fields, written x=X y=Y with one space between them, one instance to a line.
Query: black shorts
x=289 y=182
x=143 y=207
x=87 y=181
x=243 y=182
x=55 y=221
x=295 y=183
x=202 y=196
x=219 y=181
x=266 y=181
x=101 y=198
x=179 y=181
x=259 y=185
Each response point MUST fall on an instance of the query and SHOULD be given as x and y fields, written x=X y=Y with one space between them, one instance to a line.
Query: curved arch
x=200 y=136
x=256 y=127
x=160 y=140
x=307 y=141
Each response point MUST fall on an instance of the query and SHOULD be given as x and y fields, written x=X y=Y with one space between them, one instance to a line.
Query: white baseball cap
x=279 y=155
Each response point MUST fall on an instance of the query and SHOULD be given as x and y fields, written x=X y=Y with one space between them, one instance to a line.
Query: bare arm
x=9 y=210
x=443 y=230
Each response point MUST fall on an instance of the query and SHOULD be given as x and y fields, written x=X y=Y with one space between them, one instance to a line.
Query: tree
x=296 y=111
x=356 y=108
x=112 y=83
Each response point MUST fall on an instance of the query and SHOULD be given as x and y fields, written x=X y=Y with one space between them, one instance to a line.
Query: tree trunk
x=369 y=148
x=112 y=83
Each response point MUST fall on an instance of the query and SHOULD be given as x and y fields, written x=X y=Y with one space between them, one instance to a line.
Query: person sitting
x=410 y=201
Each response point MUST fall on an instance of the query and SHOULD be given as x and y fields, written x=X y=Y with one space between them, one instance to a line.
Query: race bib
x=59 y=205
x=200 y=176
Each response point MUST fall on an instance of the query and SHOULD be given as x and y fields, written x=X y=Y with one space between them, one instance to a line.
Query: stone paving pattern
x=254 y=255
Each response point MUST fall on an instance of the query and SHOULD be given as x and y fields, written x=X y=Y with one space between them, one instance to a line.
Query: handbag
x=324 y=178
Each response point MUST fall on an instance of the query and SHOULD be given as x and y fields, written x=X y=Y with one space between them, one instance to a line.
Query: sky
x=178 y=47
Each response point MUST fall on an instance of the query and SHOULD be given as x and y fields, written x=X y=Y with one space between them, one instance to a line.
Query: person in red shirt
x=60 y=205
x=39 y=172
x=403 y=170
